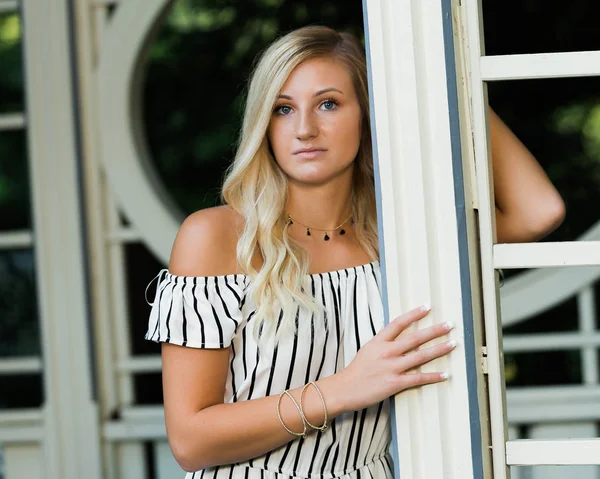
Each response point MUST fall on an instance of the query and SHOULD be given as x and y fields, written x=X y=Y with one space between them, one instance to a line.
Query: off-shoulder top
x=217 y=312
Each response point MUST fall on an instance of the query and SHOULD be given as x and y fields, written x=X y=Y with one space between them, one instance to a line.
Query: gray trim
x=384 y=293
x=83 y=232
x=463 y=246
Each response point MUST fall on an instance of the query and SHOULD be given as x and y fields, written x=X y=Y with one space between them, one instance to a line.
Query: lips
x=309 y=150
x=309 y=154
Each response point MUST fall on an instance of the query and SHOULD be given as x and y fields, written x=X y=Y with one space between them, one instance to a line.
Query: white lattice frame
x=513 y=67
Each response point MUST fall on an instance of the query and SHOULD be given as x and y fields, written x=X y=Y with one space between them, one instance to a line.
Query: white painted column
x=421 y=236
x=71 y=434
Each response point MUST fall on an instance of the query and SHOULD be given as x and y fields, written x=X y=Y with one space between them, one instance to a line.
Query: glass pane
x=550 y=357
x=15 y=207
x=21 y=391
x=11 y=71
x=141 y=267
x=19 y=328
x=543 y=368
x=558 y=120
x=197 y=70
x=537 y=26
x=148 y=388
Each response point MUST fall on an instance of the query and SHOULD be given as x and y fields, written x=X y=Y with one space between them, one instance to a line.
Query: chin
x=316 y=174
x=312 y=180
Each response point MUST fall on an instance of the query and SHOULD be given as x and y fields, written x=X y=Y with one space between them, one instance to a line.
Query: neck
x=322 y=206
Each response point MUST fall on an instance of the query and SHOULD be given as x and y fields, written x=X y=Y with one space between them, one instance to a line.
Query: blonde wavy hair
x=256 y=188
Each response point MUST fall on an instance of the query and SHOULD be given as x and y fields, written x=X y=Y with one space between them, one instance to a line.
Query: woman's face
x=315 y=126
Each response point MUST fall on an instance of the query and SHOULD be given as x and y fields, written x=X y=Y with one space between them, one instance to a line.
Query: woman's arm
x=203 y=431
x=528 y=207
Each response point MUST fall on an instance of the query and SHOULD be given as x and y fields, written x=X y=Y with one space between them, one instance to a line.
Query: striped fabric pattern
x=217 y=312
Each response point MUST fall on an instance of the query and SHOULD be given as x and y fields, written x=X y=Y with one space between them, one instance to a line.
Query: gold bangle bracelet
x=324 y=425
x=304 y=422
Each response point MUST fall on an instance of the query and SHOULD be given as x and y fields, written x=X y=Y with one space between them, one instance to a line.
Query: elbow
x=189 y=454
x=543 y=220
x=530 y=224
x=551 y=216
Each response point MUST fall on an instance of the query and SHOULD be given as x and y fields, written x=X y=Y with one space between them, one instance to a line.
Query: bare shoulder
x=206 y=243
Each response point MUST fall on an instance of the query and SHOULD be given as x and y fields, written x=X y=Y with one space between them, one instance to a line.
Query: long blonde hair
x=256 y=188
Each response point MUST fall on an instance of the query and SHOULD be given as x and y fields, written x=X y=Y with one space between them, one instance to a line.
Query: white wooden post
x=71 y=434
x=411 y=57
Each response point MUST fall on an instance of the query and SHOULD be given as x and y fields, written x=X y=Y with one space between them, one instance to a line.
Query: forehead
x=316 y=74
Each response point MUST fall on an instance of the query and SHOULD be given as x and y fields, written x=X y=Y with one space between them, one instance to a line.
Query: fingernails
x=444 y=375
x=451 y=343
x=449 y=325
x=425 y=307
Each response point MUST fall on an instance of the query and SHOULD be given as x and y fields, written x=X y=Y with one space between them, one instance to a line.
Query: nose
x=307 y=126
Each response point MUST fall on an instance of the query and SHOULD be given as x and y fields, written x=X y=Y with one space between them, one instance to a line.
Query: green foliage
x=196 y=76
x=11 y=72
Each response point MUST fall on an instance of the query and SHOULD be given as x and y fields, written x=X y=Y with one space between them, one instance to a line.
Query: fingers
x=420 y=379
x=418 y=338
x=393 y=330
x=423 y=356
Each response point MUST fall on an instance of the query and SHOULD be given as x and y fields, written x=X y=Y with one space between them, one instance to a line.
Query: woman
x=287 y=367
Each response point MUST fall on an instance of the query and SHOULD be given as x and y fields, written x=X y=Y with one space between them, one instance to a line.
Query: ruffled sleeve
x=196 y=311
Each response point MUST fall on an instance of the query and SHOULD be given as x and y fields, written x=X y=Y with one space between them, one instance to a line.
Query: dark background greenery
x=193 y=96
x=216 y=42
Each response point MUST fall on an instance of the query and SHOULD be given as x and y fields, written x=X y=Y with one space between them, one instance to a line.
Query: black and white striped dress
x=216 y=312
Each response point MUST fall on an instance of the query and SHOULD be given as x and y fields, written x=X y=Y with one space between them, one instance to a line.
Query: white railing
x=557 y=412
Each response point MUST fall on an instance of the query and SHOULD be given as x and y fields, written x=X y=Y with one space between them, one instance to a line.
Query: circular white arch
x=138 y=189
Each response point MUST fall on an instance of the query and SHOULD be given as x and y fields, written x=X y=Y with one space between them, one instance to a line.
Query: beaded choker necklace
x=326 y=237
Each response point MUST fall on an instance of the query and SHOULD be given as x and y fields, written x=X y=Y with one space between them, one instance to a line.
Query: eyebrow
x=320 y=92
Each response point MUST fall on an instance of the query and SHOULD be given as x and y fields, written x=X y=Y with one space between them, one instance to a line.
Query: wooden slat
x=21 y=426
x=550 y=342
x=540 y=65
x=140 y=364
x=543 y=255
x=16 y=239
x=531 y=452
x=23 y=461
x=119 y=431
x=11 y=121
x=553 y=403
x=552 y=431
x=20 y=365
x=8 y=6
x=132 y=461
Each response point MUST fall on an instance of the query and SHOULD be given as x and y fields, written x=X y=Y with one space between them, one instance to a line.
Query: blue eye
x=329 y=105
x=283 y=110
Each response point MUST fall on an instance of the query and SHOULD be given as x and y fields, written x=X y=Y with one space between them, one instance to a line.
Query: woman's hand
x=384 y=366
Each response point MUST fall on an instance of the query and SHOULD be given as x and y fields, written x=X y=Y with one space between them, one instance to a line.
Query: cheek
x=277 y=136
x=279 y=145
x=346 y=134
